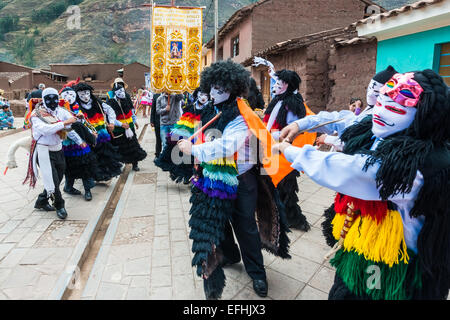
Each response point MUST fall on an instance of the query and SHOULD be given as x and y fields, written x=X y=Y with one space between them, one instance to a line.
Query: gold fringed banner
x=176 y=49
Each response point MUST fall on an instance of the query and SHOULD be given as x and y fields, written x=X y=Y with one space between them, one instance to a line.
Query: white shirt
x=344 y=173
x=46 y=134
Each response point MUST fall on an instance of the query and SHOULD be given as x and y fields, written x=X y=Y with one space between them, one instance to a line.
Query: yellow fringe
x=128 y=121
x=377 y=242
x=224 y=162
x=186 y=123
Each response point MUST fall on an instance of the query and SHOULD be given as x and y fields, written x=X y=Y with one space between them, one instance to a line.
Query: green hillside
x=36 y=33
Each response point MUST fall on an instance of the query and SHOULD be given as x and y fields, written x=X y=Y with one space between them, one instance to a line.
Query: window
x=235 y=46
x=444 y=62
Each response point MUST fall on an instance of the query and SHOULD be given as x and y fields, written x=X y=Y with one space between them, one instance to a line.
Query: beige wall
x=244 y=30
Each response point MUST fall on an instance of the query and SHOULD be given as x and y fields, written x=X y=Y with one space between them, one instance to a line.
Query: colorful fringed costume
x=81 y=162
x=390 y=220
x=129 y=148
x=106 y=154
x=190 y=121
x=214 y=191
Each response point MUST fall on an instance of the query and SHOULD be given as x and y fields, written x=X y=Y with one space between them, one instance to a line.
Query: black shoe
x=61 y=213
x=136 y=168
x=45 y=207
x=88 y=195
x=72 y=191
x=260 y=287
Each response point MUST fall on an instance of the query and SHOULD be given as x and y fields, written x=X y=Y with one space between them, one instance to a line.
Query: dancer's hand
x=136 y=125
x=111 y=127
x=321 y=140
x=80 y=115
x=289 y=132
x=185 y=146
x=70 y=121
x=125 y=126
x=280 y=147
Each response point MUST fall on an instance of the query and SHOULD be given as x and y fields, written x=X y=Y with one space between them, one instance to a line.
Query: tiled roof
x=13 y=76
x=396 y=12
x=296 y=43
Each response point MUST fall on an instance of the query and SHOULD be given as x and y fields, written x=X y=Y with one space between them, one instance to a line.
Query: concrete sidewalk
x=146 y=253
x=38 y=251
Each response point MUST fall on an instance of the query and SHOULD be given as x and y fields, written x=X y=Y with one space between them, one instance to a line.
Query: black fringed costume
x=291 y=101
x=215 y=193
x=129 y=148
x=423 y=147
x=107 y=155
x=190 y=121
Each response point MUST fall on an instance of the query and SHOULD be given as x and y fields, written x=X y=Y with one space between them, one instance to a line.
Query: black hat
x=290 y=77
x=385 y=75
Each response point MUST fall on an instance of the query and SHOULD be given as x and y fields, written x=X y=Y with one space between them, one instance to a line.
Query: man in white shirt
x=48 y=122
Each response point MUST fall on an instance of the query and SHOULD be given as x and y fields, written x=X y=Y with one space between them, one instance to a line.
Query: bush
x=9 y=23
x=24 y=50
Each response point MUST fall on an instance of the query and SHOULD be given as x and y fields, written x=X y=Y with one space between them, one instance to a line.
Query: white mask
x=390 y=117
x=373 y=91
x=85 y=96
x=69 y=96
x=280 y=87
x=202 y=98
x=120 y=93
x=219 y=95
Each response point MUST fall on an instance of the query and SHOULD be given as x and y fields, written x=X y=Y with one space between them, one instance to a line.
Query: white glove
x=129 y=133
x=261 y=61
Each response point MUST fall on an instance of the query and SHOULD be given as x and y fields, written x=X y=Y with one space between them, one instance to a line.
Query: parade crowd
x=386 y=157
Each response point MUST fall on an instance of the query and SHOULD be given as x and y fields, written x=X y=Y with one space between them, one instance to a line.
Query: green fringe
x=396 y=283
x=183 y=127
x=217 y=168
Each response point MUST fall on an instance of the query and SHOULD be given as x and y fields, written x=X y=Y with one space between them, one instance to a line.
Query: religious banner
x=176 y=49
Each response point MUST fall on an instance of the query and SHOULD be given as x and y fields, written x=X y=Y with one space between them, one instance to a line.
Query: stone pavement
x=38 y=251
x=146 y=253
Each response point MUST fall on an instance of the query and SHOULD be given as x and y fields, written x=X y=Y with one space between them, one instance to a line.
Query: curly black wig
x=230 y=76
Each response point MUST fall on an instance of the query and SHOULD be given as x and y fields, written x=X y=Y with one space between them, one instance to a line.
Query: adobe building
x=334 y=66
x=268 y=22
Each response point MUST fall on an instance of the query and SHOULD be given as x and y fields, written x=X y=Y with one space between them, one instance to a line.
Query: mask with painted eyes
x=390 y=117
x=50 y=98
x=219 y=95
x=373 y=91
x=69 y=95
x=120 y=93
x=403 y=89
x=84 y=96
x=202 y=97
x=280 y=87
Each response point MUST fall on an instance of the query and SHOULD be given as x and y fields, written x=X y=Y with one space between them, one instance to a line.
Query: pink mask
x=403 y=89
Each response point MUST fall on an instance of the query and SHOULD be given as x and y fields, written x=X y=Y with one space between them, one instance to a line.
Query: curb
x=81 y=251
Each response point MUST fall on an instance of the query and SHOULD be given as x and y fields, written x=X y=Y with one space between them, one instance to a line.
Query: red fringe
x=275 y=125
x=31 y=177
x=377 y=210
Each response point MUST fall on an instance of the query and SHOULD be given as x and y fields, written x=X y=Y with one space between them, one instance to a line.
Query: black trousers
x=58 y=164
x=158 y=146
x=88 y=184
x=245 y=228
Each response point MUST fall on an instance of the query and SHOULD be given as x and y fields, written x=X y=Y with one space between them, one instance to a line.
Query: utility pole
x=216 y=28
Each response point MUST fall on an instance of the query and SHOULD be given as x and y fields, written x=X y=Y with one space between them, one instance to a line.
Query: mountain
x=37 y=32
